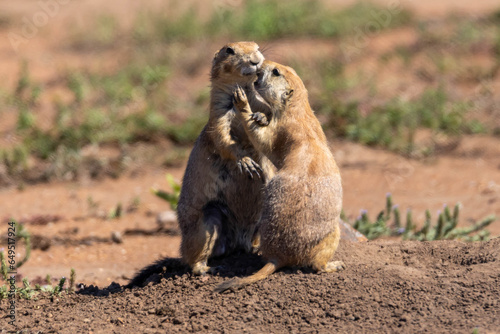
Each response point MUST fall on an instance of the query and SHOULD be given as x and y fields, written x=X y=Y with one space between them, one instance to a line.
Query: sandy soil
x=388 y=286
x=367 y=176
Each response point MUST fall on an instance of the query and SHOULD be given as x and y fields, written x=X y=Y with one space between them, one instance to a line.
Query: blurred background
x=100 y=100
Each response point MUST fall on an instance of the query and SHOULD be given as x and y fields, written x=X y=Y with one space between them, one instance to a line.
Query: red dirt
x=410 y=287
x=367 y=175
x=388 y=286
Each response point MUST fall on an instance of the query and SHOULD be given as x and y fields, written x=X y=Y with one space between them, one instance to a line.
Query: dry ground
x=388 y=286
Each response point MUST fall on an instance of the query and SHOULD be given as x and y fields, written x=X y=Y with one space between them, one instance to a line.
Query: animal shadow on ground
x=236 y=264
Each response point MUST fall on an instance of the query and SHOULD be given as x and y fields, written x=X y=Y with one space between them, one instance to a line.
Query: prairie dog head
x=277 y=86
x=237 y=62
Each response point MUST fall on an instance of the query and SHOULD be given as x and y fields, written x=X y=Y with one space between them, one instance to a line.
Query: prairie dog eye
x=276 y=72
x=230 y=51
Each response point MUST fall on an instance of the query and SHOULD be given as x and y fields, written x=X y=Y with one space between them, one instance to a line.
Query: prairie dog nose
x=256 y=58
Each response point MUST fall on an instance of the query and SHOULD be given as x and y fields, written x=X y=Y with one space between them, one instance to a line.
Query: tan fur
x=301 y=209
x=219 y=204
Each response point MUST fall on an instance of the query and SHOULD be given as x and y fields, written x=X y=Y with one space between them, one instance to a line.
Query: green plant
x=20 y=234
x=24 y=80
x=444 y=229
x=94 y=117
x=187 y=131
x=59 y=287
x=277 y=19
x=173 y=197
x=15 y=160
x=25 y=119
x=26 y=93
x=4 y=269
x=27 y=292
x=72 y=280
x=264 y=20
x=76 y=83
x=23 y=234
x=4 y=292
x=116 y=212
x=393 y=124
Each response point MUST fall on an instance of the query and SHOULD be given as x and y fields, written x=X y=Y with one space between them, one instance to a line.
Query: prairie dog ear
x=285 y=97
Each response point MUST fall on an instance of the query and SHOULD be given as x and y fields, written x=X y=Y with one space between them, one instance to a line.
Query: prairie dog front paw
x=260 y=118
x=240 y=99
x=250 y=167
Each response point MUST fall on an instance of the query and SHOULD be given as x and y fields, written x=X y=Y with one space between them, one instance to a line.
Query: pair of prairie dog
x=275 y=133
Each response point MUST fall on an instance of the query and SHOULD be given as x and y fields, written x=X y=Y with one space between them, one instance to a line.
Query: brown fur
x=219 y=203
x=301 y=209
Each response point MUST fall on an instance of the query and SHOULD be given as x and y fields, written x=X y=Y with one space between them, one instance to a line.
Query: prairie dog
x=222 y=188
x=302 y=202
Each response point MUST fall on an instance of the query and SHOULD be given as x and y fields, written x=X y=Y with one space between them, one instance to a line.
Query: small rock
x=166 y=218
x=116 y=237
x=347 y=232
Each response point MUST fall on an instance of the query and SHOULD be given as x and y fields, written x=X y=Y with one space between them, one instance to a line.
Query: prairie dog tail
x=237 y=283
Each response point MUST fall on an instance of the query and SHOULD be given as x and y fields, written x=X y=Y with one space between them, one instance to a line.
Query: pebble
x=116 y=237
x=166 y=218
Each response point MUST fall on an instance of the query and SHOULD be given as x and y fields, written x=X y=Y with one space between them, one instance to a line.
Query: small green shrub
x=389 y=223
x=26 y=93
x=26 y=291
x=15 y=160
x=116 y=212
x=393 y=124
x=173 y=197
x=76 y=84
x=21 y=234
x=94 y=117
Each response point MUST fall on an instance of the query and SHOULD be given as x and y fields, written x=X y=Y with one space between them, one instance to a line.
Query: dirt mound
x=387 y=287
